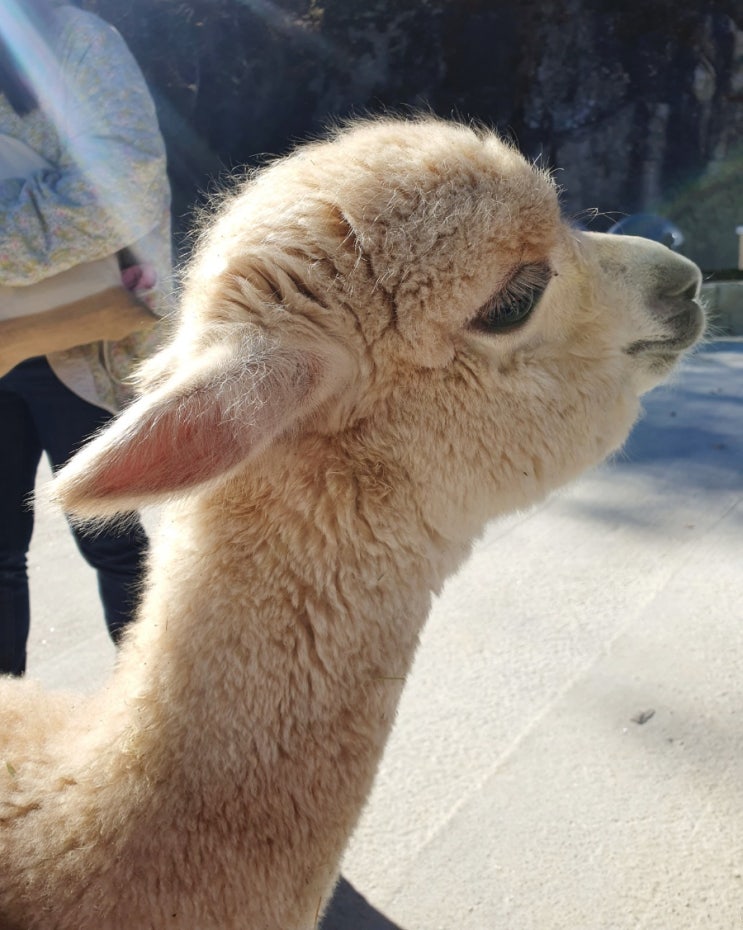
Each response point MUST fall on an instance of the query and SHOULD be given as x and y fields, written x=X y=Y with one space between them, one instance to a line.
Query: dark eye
x=512 y=305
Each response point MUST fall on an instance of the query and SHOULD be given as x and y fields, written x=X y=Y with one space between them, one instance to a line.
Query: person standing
x=71 y=91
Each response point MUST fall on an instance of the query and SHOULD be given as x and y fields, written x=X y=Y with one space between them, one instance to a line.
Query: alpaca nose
x=667 y=315
x=673 y=284
x=672 y=299
x=677 y=278
x=667 y=282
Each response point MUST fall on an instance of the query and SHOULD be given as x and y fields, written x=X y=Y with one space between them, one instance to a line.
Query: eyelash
x=512 y=305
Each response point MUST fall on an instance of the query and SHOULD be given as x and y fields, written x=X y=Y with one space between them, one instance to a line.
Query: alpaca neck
x=272 y=654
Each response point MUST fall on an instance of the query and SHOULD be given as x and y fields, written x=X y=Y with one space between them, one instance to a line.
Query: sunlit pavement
x=569 y=748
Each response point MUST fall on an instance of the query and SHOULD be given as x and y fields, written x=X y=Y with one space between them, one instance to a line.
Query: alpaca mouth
x=686 y=321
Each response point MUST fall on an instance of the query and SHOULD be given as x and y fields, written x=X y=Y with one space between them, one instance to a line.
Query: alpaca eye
x=513 y=304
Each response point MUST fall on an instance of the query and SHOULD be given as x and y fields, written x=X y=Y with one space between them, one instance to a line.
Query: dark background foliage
x=639 y=104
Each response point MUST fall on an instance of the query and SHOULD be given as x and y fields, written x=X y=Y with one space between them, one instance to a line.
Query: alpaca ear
x=193 y=429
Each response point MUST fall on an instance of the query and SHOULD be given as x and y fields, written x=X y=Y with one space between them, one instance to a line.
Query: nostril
x=692 y=291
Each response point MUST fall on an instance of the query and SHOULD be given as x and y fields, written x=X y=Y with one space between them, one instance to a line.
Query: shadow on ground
x=687 y=444
x=349 y=910
x=695 y=418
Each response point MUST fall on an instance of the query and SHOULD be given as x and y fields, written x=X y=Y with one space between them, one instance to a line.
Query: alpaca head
x=407 y=291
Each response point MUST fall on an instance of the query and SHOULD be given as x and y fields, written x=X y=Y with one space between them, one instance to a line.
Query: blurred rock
x=639 y=106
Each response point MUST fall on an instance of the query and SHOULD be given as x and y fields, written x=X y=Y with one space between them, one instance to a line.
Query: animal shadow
x=348 y=910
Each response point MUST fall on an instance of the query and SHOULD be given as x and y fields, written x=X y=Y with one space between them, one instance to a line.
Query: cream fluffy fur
x=332 y=432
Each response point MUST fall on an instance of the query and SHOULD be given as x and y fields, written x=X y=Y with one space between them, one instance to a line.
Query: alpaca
x=387 y=338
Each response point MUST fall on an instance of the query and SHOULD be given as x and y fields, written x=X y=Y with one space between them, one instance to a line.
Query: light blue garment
x=107 y=189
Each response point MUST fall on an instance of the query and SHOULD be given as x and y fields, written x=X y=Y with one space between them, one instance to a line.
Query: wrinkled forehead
x=440 y=213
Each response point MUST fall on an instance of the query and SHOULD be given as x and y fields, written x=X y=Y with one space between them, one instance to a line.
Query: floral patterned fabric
x=107 y=189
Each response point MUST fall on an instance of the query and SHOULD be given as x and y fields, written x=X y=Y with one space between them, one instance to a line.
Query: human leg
x=118 y=555
x=20 y=452
x=64 y=421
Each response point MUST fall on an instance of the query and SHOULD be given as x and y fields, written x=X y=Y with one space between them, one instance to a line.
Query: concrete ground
x=569 y=749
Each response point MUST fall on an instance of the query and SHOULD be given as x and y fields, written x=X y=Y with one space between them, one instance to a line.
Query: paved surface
x=569 y=748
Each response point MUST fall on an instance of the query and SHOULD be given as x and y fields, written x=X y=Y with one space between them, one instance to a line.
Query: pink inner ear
x=176 y=438
x=187 y=439
x=187 y=443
